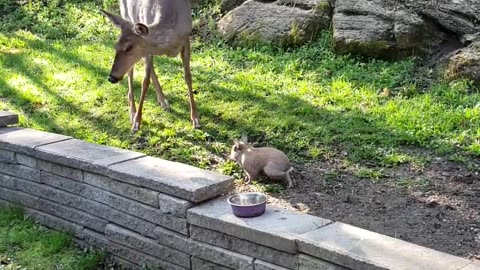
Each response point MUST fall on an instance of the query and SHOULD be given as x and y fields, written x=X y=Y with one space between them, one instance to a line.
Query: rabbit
x=273 y=162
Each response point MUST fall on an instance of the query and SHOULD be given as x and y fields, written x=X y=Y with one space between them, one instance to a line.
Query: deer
x=150 y=28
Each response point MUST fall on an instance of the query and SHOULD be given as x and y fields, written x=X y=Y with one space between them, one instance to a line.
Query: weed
x=267 y=188
x=370 y=174
x=416 y=183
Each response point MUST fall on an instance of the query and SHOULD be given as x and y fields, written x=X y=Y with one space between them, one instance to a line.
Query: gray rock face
x=382 y=29
x=463 y=63
x=283 y=22
x=398 y=28
x=458 y=16
x=227 y=5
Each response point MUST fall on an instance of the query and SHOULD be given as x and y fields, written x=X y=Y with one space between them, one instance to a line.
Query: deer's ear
x=140 y=29
x=115 y=19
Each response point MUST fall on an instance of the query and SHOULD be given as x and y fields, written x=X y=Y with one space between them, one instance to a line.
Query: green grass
x=308 y=102
x=372 y=175
x=26 y=245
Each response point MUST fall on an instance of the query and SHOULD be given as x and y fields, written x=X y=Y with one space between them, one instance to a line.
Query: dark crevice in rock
x=451 y=43
x=448 y=47
x=265 y=1
x=356 y=13
x=296 y=5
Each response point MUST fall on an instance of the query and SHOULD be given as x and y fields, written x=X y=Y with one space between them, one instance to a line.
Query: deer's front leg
x=185 y=54
x=131 y=99
x=146 y=83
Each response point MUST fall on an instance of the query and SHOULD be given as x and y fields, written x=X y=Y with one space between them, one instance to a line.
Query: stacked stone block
x=147 y=211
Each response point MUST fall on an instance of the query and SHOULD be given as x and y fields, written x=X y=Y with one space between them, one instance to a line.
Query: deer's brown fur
x=148 y=28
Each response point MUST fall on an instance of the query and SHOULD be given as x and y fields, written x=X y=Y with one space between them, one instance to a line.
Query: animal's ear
x=244 y=138
x=115 y=19
x=140 y=29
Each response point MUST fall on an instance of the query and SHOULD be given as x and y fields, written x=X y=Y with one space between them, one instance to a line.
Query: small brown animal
x=273 y=162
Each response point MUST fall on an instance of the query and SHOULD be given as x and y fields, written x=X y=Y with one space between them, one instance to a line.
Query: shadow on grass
x=285 y=121
x=35 y=73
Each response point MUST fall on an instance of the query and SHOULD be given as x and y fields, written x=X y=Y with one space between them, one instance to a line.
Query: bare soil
x=437 y=206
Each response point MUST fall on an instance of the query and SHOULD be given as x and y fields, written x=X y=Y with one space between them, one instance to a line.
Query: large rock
x=227 y=5
x=457 y=16
x=399 y=28
x=463 y=63
x=380 y=28
x=283 y=22
x=224 y=5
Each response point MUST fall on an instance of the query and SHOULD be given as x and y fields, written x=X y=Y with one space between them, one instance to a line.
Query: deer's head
x=130 y=47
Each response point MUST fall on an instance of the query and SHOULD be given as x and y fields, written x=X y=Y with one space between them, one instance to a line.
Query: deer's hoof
x=165 y=105
x=135 y=127
x=196 y=123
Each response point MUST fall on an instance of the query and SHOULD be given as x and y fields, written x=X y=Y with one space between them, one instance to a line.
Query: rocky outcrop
x=463 y=63
x=283 y=22
x=399 y=28
x=382 y=28
x=456 y=16
x=227 y=5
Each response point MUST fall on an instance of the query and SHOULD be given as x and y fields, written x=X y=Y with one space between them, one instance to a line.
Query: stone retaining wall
x=148 y=211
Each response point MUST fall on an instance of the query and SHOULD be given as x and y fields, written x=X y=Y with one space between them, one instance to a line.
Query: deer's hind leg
x=185 y=54
x=131 y=98
x=158 y=88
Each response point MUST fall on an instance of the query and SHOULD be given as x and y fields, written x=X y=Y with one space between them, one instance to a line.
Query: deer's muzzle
x=113 y=79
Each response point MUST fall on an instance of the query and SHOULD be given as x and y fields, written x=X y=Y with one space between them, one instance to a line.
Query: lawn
x=26 y=245
x=308 y=101
x=366 y=116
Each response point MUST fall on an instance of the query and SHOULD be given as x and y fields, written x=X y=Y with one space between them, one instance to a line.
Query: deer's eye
x=235 y=148
x=129 y=48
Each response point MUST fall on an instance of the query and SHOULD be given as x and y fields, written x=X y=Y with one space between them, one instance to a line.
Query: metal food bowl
x=249 y=204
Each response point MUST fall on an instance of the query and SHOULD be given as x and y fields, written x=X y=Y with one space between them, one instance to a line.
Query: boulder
x=460 y=17
x=227 y=5
x=282 y=23
x=400 y=28
x=224 y=5
x=463 y=63
x=382 y=28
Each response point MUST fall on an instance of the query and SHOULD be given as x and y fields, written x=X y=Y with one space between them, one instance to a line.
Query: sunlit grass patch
x=309 y=102
x=26 y=245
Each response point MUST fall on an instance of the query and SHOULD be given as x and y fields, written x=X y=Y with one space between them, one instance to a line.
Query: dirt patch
x=437 y=206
